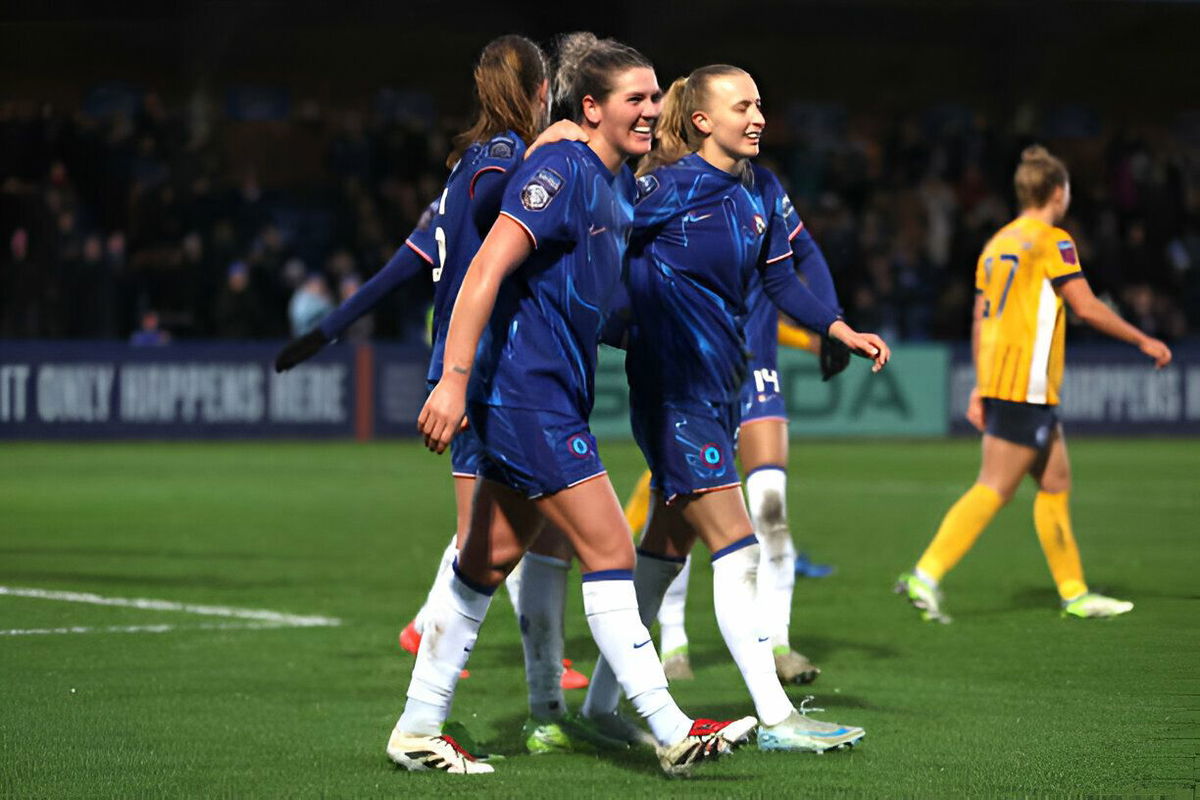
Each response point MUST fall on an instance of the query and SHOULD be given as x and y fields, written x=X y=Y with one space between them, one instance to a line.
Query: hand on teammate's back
x=563 y=130
x=300 y=349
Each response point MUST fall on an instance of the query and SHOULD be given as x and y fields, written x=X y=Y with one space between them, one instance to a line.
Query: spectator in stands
x=238 y=314
x=309 y=304
x=149 y=334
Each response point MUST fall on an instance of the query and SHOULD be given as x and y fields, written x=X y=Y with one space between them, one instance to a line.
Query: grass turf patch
x=1010 y=700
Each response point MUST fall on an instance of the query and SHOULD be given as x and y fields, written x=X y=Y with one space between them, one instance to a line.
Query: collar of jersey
x=695 y=161
x=595 y=159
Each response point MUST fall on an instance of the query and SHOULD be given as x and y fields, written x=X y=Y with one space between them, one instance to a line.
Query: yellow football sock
x=638 y=506
x=961 y=526
x=1052 y=518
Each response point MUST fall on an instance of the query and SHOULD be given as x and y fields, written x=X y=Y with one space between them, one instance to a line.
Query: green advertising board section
x=908 y=398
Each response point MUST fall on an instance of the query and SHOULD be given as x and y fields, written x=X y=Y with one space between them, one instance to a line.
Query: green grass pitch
x=1009 y=701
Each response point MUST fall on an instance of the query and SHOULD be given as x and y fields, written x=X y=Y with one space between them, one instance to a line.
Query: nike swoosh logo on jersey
x=594 y=231
x=643 y=644
x=691 y=218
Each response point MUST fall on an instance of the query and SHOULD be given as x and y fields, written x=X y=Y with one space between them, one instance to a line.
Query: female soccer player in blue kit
x=706 y=221
x=762 y=442
x=521 y=349
x=512 y=83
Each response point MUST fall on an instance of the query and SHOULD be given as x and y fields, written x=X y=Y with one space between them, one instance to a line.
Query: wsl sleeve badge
x=646 y=186
x=541 y=189
x=500 y=148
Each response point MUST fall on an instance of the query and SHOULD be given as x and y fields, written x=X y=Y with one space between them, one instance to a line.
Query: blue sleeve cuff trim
x=733 y=548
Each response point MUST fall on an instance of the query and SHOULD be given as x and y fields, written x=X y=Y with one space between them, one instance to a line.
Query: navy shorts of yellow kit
x=1027 y=424
x=689 y=446
x=532 y=451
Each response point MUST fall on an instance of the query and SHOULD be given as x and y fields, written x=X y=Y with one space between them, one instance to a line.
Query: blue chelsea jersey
x=700 y=236
x=539 y=348
x=465 y=212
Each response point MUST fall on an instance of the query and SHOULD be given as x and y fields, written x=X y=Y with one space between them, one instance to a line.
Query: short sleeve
x=778 y=244
x=422 y=242
x=1061 y=258
x=791 y=220
x=980 y=275
x=492 y=164
x=538 y=197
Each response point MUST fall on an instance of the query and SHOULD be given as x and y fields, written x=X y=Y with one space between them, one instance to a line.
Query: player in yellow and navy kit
x=1024 y=275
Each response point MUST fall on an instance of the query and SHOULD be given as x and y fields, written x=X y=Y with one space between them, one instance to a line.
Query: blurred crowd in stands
x=162 y=221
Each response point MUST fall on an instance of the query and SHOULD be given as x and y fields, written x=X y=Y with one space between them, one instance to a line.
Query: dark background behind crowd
x=212 y=170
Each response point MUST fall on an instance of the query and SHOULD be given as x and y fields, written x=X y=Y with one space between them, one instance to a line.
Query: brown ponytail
x=507 y=79
x=676 y=136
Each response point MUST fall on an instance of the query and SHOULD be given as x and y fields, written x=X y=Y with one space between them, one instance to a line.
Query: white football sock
x=671 y=613
x=451 y=630
x=610 y=602
x=439 y=583
x=541 y=619
x=931 y=581
x=734 y=570
x=766 y=497
x=512 y=585
x=651 y=577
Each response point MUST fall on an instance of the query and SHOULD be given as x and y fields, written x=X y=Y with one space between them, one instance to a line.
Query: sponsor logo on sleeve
x=541 y=189
x=788 y=208
x=1067 y=251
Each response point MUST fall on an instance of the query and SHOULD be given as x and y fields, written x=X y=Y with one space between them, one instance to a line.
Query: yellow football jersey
x=1023 y=327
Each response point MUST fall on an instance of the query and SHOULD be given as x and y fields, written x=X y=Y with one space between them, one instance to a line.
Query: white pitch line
x=275 y=619
x=214 y=626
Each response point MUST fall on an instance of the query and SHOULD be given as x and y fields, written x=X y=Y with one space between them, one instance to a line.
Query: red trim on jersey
x=671 y=500
x=419 y=251
x=475 y=177
x=788 y=254
x=796 y=232
x=529 y=233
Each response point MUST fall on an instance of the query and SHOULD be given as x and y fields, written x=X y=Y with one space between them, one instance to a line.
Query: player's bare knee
x=1055 y=484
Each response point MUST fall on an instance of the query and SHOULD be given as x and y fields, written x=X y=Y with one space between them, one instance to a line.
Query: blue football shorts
x=689 y=446
x=761 y=397
x=533 y=451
